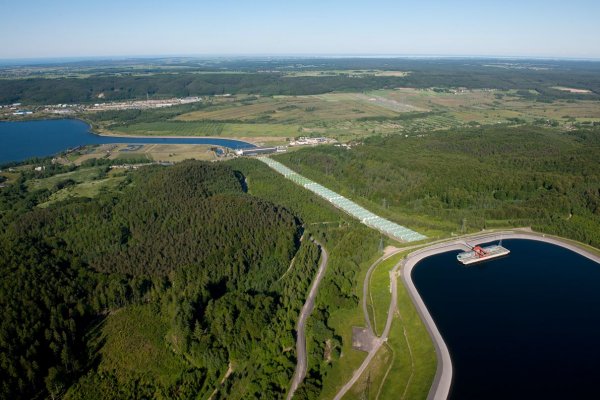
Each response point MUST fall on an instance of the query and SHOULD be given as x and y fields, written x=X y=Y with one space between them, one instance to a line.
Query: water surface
x=526 y=326
x=22 y=140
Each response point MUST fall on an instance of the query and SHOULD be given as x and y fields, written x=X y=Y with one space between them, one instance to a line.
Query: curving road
x=366 y=283
x=443 y=378
x=378 y=341
x=309 y=305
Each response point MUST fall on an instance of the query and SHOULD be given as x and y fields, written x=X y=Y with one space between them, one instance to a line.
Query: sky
x=91 y=28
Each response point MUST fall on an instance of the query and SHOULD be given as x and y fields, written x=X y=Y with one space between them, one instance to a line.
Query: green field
x=170 y=128
x=80 y=175
x=292 y=109
x=354 y=116
x=85 y=189
x=250 y=131
x=356 y=73
x=379 y=292
x=404 y=367
x=82 y=182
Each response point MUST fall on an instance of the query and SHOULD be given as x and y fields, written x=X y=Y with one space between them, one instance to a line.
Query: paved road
x=443 y=379
x=366 y=282
x=392 y=308
x=388 y=324
x=387 y=254
x=309 y=305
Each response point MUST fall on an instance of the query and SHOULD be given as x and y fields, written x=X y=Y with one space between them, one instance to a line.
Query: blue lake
x=526 y=326
x=22 y=140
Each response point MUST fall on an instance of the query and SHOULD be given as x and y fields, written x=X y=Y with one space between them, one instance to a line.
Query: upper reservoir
x=22 y=140
x=526 y=326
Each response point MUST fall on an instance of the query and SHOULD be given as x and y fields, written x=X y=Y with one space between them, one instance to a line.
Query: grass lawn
x=367 y=386
x=11 y=177
x=379 y=292
x=275 y=131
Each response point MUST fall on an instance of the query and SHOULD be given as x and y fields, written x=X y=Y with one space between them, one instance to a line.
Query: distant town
x=17 y=109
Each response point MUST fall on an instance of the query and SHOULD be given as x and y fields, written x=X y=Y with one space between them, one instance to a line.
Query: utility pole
x=463 y=228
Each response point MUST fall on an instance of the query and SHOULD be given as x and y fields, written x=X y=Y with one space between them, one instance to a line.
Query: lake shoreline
x=23 y=140
x=442 y=383
x=109 y=135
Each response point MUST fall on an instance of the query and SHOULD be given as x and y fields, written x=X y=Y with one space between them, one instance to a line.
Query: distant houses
x=304 y=141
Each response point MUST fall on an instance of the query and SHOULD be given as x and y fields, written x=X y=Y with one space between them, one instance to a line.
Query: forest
x=272 y=77
x=190 y=267
x=465 y=180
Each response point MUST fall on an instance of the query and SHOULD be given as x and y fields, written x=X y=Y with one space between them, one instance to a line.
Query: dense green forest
x=471 y=179
x=176 y=284
x=270 y=77
x=352 y=248
x=180 y=252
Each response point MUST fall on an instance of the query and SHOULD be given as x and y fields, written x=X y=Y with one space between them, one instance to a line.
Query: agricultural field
x=493 y=106
x=254 y=133
x=293 y=109
x=274 y=120
x=169 y=128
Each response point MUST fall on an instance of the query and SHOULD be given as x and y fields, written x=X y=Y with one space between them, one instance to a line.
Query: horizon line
x=58 y=59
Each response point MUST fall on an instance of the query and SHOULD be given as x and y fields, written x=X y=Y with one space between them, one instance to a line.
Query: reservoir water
x=22 y=140
x=526 y=326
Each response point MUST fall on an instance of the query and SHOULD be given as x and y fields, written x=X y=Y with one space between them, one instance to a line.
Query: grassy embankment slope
x=406 y=364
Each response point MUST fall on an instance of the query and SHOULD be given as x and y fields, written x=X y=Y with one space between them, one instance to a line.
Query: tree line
x=442 y=74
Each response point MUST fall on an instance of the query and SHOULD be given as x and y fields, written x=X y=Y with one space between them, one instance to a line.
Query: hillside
x=470 y=179
x=158 y=286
